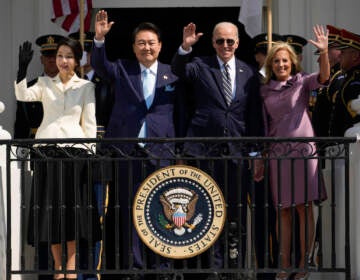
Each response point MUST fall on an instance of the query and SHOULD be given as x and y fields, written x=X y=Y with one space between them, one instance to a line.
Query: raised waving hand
x=189 y=36
x=102 y=26
x=25 y=56
x=321 y=35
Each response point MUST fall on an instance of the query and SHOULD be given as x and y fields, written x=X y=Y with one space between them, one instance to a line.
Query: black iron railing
x=96 y=181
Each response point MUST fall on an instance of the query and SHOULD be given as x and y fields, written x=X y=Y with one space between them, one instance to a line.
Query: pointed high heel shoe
x=283 y=275
x=302 y=276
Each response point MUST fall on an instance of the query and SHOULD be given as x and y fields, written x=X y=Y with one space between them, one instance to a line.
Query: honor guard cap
x=297 y=42
x=48 y=43
x=334 y=37
x=88 y=39
x=349 y=40
x=260 y=42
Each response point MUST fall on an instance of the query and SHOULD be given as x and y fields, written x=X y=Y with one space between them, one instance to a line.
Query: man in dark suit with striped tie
x=227 y=104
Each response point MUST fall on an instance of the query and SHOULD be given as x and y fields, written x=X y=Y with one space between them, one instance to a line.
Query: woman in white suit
x=69 y=112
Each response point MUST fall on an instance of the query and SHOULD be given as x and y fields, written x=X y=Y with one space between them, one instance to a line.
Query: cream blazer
x=69 y=110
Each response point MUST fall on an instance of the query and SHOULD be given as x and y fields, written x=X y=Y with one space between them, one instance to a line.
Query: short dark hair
x=146 y=26
x=74 y=45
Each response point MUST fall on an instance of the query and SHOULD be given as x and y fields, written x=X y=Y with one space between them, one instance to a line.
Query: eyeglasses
x=229 y=42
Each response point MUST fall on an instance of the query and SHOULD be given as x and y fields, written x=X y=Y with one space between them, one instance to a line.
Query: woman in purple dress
x=285 y=95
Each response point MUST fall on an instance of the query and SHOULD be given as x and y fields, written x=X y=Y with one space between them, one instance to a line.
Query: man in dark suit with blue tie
x=227 y=104
x=146 y=94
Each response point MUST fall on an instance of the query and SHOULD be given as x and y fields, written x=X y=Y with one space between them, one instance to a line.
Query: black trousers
x=123 y=247
x=266 y=245
x=232 y=178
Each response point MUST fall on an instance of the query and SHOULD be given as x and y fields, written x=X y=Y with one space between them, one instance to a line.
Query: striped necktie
x=226 y=81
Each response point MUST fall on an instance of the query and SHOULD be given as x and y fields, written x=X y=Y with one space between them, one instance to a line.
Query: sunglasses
x=229 y=42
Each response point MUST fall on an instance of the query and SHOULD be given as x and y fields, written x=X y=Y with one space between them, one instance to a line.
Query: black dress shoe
x=131 y=277
x=265 y=276
x=215 y=276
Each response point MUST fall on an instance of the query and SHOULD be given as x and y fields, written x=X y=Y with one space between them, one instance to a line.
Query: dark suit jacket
x=212 y=116
x=29 y=116
x=129 y=110
x=104 y=97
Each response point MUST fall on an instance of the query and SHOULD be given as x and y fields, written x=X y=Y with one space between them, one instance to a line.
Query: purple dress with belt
x=285 y=106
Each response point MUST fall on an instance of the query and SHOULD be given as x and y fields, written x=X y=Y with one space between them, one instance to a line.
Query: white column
x=3 y=135
x=16 y=225
x=354 y=201
x=355 y=210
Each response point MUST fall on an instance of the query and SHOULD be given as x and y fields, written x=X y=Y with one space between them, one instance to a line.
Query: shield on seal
x=179 y=218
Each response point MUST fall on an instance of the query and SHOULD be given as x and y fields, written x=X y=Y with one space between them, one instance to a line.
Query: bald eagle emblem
x=179 y=205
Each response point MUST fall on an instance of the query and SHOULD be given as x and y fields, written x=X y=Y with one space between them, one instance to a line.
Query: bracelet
x=324 y=51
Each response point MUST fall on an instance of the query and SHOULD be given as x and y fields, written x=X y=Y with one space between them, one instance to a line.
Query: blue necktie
x=148 y=85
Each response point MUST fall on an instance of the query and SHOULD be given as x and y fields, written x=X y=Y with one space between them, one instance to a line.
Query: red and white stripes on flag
x=66 y=13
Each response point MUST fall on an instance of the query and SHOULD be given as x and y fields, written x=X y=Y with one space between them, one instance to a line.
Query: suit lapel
x=135 y=80
x=216 y=72
x=57 y=82
x=164 y=77
x=239 y=80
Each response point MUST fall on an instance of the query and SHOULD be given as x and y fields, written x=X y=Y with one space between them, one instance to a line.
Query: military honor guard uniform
x=325 y=98
x=297 y=42
x=333 y=127
x=347 y=113
x=345 y=119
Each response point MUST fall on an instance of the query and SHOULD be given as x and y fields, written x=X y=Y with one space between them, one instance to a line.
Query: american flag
x=66 y=13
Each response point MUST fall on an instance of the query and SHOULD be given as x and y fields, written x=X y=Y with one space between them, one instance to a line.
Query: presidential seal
x=179 y=211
